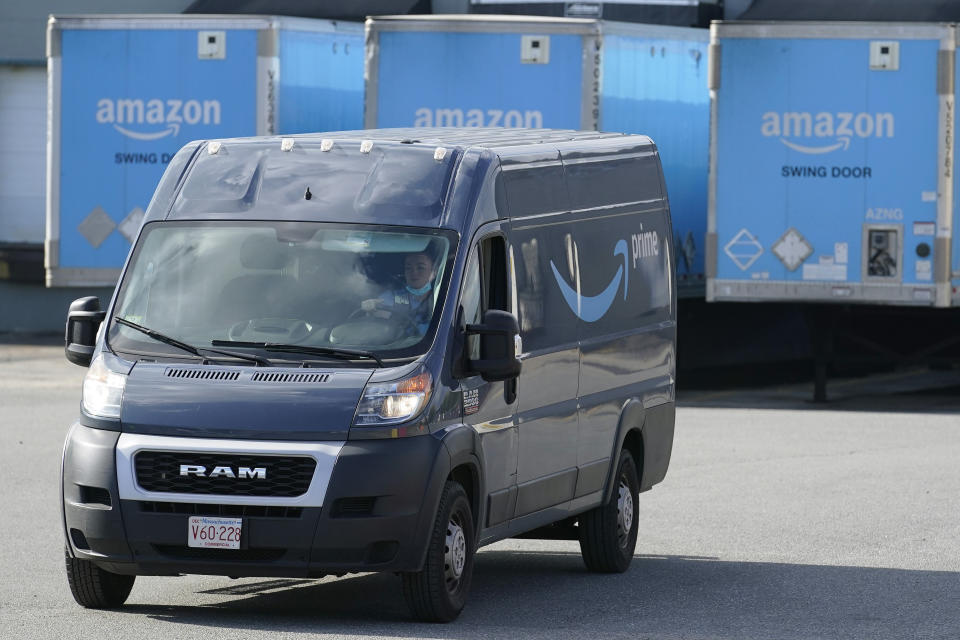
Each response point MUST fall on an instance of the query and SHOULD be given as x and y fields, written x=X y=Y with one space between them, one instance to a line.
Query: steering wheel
x=405 y=326
x=356 y=313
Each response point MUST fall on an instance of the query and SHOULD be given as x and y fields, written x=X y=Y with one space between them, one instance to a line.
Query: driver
x=415 y=300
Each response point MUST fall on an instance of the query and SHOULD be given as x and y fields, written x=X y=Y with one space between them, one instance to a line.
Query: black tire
x=606 y=542
x=438 y=592
x=95 y=588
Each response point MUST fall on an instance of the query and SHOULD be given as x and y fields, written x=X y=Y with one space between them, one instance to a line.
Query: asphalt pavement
x=778 y=519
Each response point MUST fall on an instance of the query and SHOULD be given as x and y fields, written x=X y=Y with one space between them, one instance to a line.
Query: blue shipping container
x=832 y=163
x=126 y=92
x=559 y=73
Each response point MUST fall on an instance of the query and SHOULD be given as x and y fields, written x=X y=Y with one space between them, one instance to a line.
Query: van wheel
x=608 y=533
x=439 y=591
x=95 y=588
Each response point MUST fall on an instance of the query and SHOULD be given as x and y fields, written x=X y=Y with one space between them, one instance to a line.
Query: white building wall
x=23 y=152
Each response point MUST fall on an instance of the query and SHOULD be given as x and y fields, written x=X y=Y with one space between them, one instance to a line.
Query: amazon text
x=424 y=117
x=156 y=111
x=827 y=125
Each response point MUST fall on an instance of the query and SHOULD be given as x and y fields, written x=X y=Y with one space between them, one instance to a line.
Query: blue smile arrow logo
x=592 y=308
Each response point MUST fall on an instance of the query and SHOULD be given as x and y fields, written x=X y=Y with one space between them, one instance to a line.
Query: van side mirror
x=83 y=322
x=499 y=335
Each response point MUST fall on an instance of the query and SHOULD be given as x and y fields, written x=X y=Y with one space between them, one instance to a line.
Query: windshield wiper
x=189 y=348
x=334 y=352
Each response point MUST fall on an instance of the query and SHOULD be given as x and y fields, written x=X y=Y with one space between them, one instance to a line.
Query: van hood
x=262 y=403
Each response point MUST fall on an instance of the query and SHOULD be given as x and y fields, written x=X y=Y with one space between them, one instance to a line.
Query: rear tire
x=608 y=533
x=95 y=588
x=439 y=591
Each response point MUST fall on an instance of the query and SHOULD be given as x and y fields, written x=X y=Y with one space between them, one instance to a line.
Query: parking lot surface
x=778 y=519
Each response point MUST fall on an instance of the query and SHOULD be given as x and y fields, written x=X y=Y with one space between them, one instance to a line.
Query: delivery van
x=376 y=351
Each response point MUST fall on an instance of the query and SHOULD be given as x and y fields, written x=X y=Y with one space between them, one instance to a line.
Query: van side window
x=493 y=258
x=598 y=181
x=470 y=296
x=545 y=258
x=534 y=190
x=485 y=286
x=470 y=302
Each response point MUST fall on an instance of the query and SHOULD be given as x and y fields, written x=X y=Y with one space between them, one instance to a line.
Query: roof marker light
x=439 y=154
x=213 y=148
x=326 y=144
x=365 y=146
x=286 y=144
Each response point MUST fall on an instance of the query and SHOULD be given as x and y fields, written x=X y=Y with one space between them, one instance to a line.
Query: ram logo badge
x=223 y=472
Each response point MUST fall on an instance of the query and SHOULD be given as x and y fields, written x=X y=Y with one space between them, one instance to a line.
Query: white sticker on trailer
x=924 y=228
x=825 y=271
x=924 y=270
x=840 y=252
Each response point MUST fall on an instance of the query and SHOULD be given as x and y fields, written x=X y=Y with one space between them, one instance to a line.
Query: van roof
x=375 y=176
x=495 y=139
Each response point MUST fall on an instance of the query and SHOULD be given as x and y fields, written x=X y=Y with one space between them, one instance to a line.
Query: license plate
x=214 y=533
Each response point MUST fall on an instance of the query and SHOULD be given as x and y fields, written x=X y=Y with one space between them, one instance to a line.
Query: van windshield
x=325 y=287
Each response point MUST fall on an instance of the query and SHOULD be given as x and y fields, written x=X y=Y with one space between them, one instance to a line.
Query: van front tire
x=439 y=591
x=608 y=533
x=95 y=588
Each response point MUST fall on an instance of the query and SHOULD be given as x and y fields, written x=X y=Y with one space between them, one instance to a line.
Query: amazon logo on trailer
x=154 y=119
x=824 y=132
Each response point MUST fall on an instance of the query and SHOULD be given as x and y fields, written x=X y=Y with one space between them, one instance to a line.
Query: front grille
x=291 y=377
x=221 y=510
x=220 y=555
x=202 y=374
x=286 y=476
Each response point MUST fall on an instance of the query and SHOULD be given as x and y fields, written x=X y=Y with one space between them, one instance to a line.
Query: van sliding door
x=541 y=241
x=622 y=249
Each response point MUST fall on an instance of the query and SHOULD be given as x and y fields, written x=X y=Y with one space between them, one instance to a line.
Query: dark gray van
x=376 y=351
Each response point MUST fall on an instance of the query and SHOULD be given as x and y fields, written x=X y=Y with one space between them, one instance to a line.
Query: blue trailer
x=562 y=73
x=126 y=92
x=832 y=163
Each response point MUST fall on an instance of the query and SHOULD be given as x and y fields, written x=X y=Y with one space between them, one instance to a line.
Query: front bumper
x=375 y=515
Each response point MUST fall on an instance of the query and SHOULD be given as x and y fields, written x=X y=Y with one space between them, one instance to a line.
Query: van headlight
x=103 y=390
x=393 y=402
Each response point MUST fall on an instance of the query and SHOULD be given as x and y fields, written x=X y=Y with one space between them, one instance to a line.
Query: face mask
x=419 y=292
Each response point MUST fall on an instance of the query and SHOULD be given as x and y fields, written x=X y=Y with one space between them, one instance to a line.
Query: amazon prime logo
x=591 y=308
x=824 y=132
x=160 y=118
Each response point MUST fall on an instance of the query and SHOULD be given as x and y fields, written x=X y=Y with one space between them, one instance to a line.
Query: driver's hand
x=370 y=305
